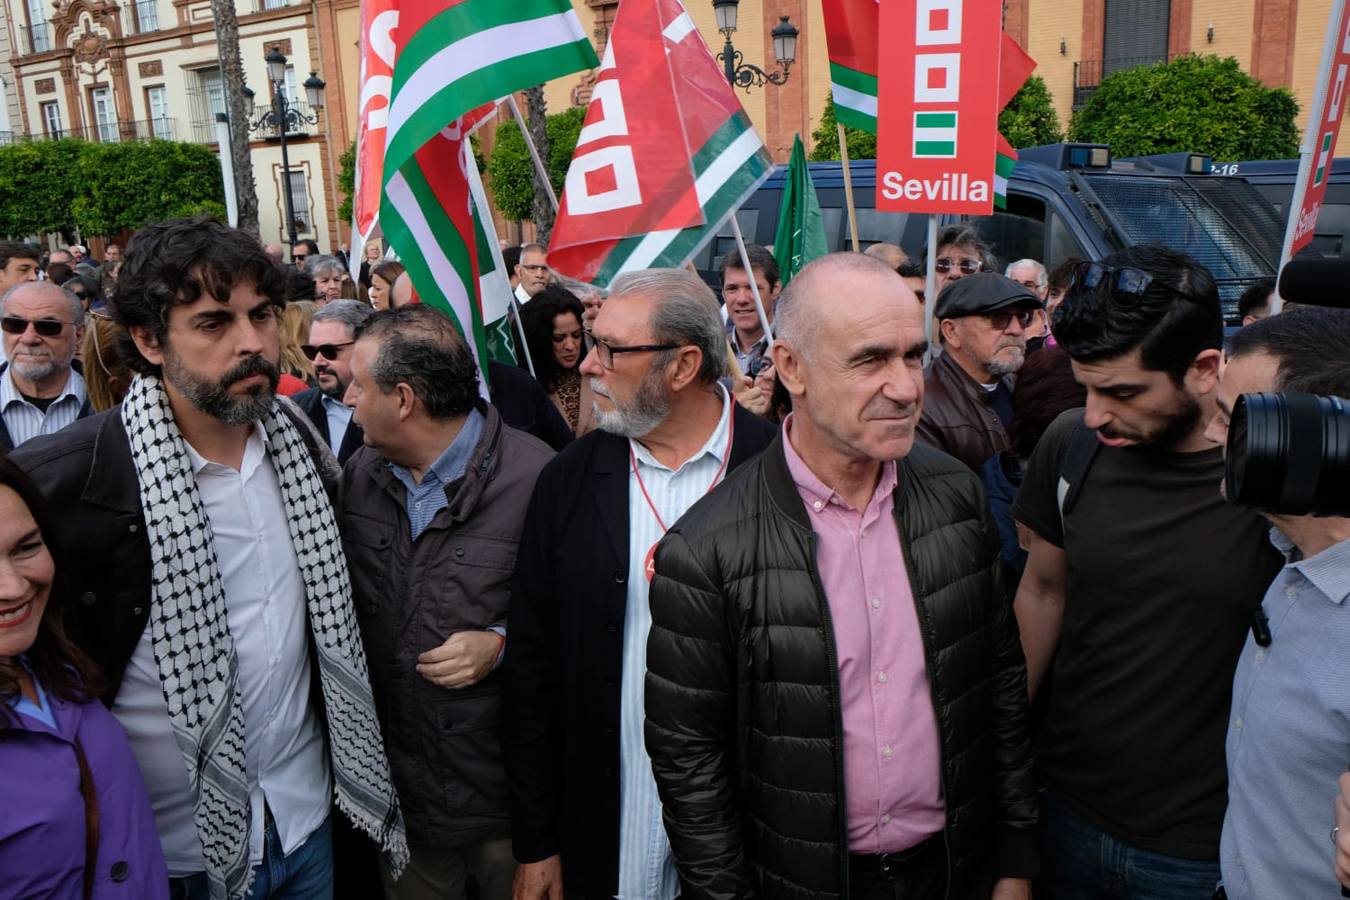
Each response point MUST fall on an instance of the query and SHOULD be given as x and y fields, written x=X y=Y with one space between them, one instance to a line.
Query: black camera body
x=1290 y=454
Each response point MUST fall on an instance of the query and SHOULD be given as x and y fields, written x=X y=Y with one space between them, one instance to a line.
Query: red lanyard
x=726 y=457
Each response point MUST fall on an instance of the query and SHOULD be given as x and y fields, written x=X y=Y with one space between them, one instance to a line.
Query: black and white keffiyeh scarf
x=195 y=652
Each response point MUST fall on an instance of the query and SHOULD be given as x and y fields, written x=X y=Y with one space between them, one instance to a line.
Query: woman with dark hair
x=553 y=332
x=382 y=278
x=1045 y=388
x=75 y=821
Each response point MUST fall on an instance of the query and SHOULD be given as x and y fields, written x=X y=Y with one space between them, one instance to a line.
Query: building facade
x=122 y=70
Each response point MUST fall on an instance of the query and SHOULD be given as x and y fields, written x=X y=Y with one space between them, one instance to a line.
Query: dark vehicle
x=1274 y=179
x=1063 y=200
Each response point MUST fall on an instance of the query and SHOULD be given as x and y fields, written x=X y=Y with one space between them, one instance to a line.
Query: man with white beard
x=573 y=743
x=40 y=390
x=967 y=404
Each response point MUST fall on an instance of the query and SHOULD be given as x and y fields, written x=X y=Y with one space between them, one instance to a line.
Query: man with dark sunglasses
x=1140 y=586
x=960 y=254
x=335 y=328
x=967 y=407
x=41 y=391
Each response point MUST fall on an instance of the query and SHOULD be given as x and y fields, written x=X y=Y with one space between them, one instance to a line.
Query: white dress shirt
x=24 y=421
x=522 y=295
x=646 y=865
x=285 y=759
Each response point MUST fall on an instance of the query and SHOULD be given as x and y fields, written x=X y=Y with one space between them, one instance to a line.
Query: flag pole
x=484 y=211
x=750 y=277
x=930 y=285
x=848 y=188
x=534 y=151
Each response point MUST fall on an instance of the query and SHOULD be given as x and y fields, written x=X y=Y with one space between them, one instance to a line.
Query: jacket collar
x=949 y=371
x=783 y=489
x=112 y=471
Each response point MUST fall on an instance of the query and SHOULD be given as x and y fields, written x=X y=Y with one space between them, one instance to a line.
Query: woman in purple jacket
x=75 y=821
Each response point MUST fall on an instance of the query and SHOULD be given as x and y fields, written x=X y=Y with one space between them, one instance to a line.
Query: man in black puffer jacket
x=836 y=694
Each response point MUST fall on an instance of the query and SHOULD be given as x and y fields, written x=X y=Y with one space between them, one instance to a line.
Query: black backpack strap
x=1073 y=469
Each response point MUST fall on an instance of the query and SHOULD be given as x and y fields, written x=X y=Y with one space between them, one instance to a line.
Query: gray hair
x=579 y=289
x=796 y=318
x=533 y=248
x=686 y=313
x=1042 y=277
x=322 y=266
x=352 y=313
x=422 y=348
x=77 y=312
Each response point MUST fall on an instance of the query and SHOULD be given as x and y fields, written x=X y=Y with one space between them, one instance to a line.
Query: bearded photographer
x=1289 y=729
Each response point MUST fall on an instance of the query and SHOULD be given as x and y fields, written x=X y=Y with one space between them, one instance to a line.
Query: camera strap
x=1073 y=468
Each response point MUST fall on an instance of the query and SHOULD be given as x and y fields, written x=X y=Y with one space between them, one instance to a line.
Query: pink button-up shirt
x=892 y=763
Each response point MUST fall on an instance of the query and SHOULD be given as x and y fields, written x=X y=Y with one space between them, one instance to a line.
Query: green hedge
x=1202 y=104
x=102 y=189
x=511 y=172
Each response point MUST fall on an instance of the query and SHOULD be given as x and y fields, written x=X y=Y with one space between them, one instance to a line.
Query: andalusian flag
x=452 y=61
x=851 y=29
x=800 y=236
x=654 y=193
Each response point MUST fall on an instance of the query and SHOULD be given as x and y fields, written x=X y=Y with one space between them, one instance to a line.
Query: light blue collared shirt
x=423 y=501
x=1289 y=733
x=646 y=865
x=24 y=421
x=339 y=417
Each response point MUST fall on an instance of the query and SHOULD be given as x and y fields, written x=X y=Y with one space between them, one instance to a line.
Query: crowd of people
x=293 y=605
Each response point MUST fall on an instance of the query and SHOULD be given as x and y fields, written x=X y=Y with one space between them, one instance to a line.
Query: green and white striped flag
x=851 y=28
x=452 y=62
x=1003 y=167
x=935 y=134
x=729 y=161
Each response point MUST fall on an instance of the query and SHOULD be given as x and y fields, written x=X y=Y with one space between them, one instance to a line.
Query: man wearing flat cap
x=983 y=321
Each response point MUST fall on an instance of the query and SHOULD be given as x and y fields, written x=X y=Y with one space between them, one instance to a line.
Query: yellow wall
x=1308 y=38
x=1051 y=20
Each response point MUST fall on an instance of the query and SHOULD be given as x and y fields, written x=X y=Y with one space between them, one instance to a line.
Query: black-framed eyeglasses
x=44 y=327
x=605 y=351
x=327 y=351
x=943 y=264
x=1001 y=318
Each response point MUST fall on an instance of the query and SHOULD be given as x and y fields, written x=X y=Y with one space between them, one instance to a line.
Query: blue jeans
x=1081 y=862
x=307 y=874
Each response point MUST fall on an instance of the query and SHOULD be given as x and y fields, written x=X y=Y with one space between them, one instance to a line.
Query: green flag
x=800 y=237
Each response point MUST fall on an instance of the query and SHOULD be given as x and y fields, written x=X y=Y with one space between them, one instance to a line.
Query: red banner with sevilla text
x=938 y=106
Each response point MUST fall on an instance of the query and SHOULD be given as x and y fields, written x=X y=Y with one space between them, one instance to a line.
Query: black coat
x=564 y=657
x=311 y=402
x=525 y=406
x=6 y=441
x=744 y=723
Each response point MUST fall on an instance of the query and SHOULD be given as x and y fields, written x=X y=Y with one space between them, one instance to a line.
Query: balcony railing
x=147 y=16
x=107 y=133
x=1088 y=73
x=264 y=5
x=40 y=37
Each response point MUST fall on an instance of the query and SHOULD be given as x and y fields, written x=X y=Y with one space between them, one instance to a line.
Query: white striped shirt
x=24 y=421
x=646 y=866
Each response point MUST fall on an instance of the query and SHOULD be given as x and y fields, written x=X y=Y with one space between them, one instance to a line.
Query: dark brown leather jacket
x=958 y=417
x=444 y=745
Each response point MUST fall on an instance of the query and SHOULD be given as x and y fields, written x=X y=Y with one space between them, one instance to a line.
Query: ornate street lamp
x=742 y=74
x=283 y=118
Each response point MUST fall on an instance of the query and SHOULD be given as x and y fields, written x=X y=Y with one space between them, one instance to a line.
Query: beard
x=648 y=408
x=39 y=367
x=1007 y=365
x=1170 y=430
x=213 y=397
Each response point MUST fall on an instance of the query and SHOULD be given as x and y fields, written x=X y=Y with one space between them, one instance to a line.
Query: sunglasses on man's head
x=327 y=351
x=1125 y=282
x=944 y=264
x=44 y=327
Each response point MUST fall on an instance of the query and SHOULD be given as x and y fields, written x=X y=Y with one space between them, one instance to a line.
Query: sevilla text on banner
x=938 y=121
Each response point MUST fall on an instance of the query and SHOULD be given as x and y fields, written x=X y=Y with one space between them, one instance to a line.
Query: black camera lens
x=1290 y=454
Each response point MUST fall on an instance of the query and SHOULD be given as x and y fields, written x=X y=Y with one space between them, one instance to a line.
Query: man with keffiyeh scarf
x=210 y=584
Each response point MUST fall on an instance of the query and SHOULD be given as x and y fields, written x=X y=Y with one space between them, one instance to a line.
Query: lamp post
x=282 y=117
x=742 y=74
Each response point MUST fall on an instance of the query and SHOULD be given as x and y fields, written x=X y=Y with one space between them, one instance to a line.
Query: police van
x=1274 y=179
x=1063 y=200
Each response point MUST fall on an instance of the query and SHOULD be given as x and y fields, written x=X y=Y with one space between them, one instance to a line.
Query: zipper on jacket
x=926 y=632
x=823 y=602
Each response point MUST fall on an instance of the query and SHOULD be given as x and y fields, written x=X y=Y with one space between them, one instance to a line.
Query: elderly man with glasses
x=331 y=335
x=41 y=390
x=667 y=434
x=983 y=321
